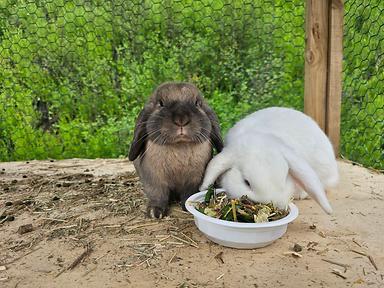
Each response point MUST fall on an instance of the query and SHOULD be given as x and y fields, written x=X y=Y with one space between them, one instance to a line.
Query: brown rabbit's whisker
x=149 y=145
x=205 y=137
x=145 y=123
x=153 y=119
x=212 y=133
x=211 y=120
x=208 y=138
x=201 y=139
x=197 y=139
x=161 y=139
x=209 y=132
x=201 y=133
x=151 y=133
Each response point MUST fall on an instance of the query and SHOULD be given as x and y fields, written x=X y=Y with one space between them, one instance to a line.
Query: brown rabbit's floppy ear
x=215 y=133
x=139 y=136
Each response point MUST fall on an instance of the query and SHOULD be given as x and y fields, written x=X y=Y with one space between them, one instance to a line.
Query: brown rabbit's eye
x=197 y=103
x=161 y=103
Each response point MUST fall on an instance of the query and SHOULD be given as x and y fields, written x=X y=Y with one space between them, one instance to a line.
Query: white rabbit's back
x=296 y=130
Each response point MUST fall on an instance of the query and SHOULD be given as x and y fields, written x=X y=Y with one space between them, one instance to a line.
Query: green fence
x=362 y=126
x=74 y=74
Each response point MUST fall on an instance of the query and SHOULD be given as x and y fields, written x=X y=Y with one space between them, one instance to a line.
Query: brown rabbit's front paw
x=156 y=212
x=182 y=204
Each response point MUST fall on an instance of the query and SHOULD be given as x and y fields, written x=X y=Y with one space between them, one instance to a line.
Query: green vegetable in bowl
x=218 y=205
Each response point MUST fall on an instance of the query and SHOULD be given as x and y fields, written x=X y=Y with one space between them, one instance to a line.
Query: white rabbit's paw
x=300 y=194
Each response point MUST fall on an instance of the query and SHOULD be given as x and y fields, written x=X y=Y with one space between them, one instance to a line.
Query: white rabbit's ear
x=306 y=177
x=217 y=166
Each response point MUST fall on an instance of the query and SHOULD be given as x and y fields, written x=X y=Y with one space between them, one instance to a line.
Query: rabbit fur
x=272 y=155
x=172 y=145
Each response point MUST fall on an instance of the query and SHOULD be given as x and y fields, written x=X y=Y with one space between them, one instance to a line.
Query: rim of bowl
x=198 y=197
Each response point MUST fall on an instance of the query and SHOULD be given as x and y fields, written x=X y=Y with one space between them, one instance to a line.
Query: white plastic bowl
x=235 y=234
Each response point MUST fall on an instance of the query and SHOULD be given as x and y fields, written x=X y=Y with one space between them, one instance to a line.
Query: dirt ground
x=89 y=230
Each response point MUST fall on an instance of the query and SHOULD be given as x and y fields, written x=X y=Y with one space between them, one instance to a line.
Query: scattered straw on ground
x=81 y=223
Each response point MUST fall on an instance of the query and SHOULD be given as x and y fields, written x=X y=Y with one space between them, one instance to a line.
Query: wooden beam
x=316 y=60
x=334 y=81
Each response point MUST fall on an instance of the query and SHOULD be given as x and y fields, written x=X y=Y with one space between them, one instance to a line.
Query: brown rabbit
x=172 y=144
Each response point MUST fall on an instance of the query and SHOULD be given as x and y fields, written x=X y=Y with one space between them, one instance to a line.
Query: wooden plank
x=334 y=81
x=316 y=59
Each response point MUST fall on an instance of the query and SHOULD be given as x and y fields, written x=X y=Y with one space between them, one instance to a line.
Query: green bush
x=75 y=74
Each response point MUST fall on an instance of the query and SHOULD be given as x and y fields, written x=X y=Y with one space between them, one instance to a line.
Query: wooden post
x=323 y=65
x=334 y=80
x=316 y=60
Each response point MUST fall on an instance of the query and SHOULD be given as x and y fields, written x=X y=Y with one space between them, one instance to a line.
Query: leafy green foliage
x=75 y=74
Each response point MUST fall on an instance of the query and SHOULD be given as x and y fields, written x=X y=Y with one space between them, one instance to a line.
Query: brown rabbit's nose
x=181 y=120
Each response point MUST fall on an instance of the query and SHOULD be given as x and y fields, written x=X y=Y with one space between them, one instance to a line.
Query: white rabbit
x=271 y=155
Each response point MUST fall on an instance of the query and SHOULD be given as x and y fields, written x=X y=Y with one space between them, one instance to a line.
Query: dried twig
x=112 y=226
x=175 y=243
x=41 y=187
x=358 y=252
x=145 y=261
x=322 y=234
x=357 y=243
x=173 y=256
x=184 y=241
x=78 y=260
x=165 y=238
x=5 y=219
x=81 y=257
x=219 y=257
x=345 y=266
x=338 y=273
x=370 y=258
x=64 y=227
x=132 y=218
x=98 y=258
x=108 y=225
x=17 y=258
x=189 y=238
x=372 y=262
x=293 y=253
x=54 y=219
x=141 y=226
x=89 y=271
